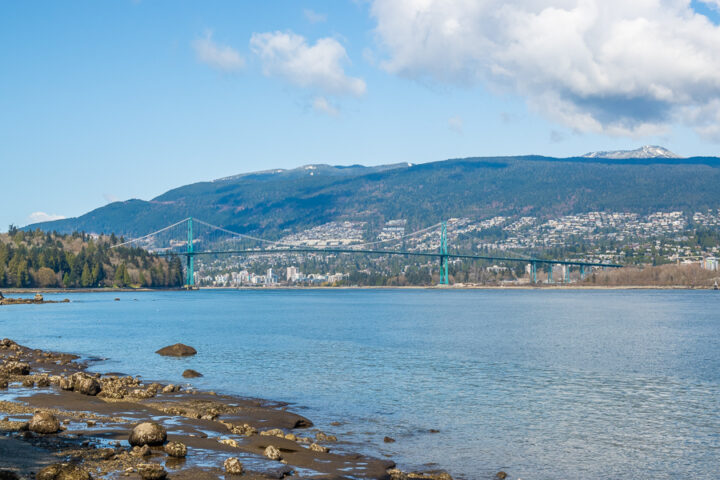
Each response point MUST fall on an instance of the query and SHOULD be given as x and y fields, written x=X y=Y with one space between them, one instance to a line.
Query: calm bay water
x=541 y=384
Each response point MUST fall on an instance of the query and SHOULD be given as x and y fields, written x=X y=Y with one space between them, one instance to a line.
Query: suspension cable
x=150 y=234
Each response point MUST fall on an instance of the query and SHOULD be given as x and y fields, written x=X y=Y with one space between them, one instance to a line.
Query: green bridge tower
x=190 y=255
x=443 y=255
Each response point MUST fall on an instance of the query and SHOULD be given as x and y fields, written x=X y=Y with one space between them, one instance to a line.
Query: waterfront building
x=710 y=263
x=270 y=277
x=291 y=274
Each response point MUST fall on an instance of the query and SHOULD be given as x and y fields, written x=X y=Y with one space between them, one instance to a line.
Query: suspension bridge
x=192 y=238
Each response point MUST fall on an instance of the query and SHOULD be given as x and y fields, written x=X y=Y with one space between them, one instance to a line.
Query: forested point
x=78 y=260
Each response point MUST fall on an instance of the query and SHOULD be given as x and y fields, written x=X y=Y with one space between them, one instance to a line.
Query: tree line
x=44 y=259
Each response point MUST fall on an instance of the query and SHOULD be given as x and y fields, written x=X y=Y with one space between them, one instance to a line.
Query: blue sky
x=119 y=99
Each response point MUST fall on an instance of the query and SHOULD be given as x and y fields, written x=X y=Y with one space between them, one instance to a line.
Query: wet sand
x=95 y=428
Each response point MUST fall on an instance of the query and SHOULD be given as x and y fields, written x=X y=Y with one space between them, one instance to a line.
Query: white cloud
x=37 y=217
x=314 y=17
x=322 y=105
x=456 y=124
x=318 y=66
x=221 y=57
x=612 y=66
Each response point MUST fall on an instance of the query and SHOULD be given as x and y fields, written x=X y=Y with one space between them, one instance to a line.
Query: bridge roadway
x=390 y=252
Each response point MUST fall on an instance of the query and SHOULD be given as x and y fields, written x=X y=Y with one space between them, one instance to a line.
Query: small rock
x=190 y=373
x=176 y=449
x=318 y=448
x=233 y=466
x=501 y=475
x=168 y=388
x=28 y=382
x=106 y=453
x=38 y=297
x=321 y=437
x=63 y=471
x=151 y=471
x=148 y=433
x=230 y=442
x=44 y=422
x=389 y=440
x=272 y=453
x=177 y=350
x=143 y=451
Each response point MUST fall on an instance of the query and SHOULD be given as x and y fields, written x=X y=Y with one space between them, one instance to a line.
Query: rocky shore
x=59 y=422
x=37 y=299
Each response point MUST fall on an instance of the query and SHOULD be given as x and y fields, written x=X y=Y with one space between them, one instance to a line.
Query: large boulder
x=16 y=368
x=44 y=422
x=87 y=386
x=177 y=350
x=66 y=383
x=233 y=466
x=63 y=471
x=151 y=471
x=81 y=382
x=148 y=433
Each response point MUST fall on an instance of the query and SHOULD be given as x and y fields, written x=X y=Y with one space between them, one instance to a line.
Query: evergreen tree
x=22 y=274
x=97 y=274
x=126 y=276
x=120 y=272
x=86 y=279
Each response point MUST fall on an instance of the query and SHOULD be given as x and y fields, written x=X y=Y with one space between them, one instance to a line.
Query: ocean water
x=540 y=384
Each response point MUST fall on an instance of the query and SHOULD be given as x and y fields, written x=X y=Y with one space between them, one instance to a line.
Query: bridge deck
x=390 y=252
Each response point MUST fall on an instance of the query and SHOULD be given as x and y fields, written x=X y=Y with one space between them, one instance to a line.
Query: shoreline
x=26 y=291
x=96 y=424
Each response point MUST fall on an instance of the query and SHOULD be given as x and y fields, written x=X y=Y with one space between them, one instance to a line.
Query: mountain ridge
x=473 y=187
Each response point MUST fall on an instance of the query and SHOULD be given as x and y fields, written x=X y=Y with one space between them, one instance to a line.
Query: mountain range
x=277 y=202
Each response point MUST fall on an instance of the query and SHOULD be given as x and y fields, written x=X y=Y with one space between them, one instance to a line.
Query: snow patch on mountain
x=648 y=151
